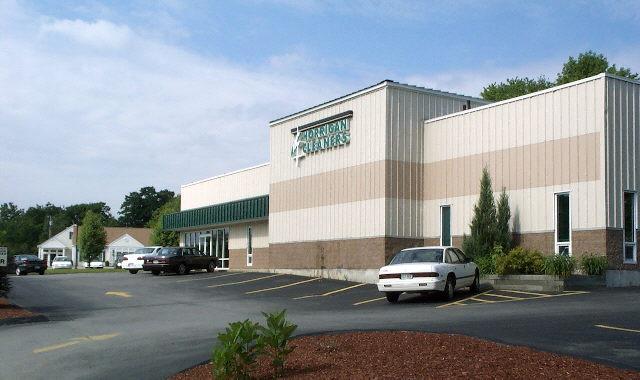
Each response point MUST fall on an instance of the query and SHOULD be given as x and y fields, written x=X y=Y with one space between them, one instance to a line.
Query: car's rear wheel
x=211 y=267
x=41 y=272
x=155 y=272
x=182 y=269
x=475 y=287
x=449 y=288
x=133 y=271
x=392 y=297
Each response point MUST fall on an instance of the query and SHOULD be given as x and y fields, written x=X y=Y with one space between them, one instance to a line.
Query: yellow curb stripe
x=283 y=286
x=212 y=277
x=245 y=281
x=367 y=301
x=618 y=328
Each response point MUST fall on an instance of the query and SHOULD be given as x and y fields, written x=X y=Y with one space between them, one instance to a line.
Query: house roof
x=143 y=235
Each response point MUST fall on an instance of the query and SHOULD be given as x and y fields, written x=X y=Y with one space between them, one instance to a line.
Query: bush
x=275 y=338
x=239 y=346
x=487 y=264
x=520 y=261
x=594 y=265
x=237 y=350
x=559 y=265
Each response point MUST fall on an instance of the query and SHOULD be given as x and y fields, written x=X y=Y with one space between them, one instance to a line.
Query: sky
x=98 y=99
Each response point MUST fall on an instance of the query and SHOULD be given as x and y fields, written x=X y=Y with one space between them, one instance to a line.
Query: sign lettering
x=320 y=138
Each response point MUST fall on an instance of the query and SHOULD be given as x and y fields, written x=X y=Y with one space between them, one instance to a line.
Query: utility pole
x=50 y=223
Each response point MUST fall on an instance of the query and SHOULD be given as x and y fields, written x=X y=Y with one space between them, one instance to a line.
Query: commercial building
x=353 y=180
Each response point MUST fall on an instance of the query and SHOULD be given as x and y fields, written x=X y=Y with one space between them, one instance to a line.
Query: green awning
x=230 y=212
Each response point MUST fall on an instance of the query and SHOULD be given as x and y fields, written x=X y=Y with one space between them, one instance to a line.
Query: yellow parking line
x=118 y=294
x=367 y=301
x=459 y=302
x=618 y=328
x=481 y=300
x=503 y=296
x=529 y=293
x=74 y=341
x=331 y=293
x=283 y=286
x=213 y=277
x=245 y=281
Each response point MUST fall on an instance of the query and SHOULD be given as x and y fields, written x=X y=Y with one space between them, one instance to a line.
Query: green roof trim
x=229 y=212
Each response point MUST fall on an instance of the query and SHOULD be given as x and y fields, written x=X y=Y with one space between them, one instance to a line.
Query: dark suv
x=24 y=264
x=179 y=260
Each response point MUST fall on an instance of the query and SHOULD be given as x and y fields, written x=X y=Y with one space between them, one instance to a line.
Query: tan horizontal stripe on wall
x=550 y=163
x=355 y=183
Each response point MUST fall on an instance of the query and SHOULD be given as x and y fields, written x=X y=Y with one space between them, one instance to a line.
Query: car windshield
x=31 y=257
x=432 y=255
x=144 y=251
x=168 y=251
x=61 y=258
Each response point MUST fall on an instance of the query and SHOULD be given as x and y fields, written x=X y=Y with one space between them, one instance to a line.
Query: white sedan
x=428 y=269
x=93 y=265
x=133 y=261
x=61 y=262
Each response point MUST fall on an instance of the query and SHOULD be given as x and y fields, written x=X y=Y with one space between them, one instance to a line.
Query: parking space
x=501 y=296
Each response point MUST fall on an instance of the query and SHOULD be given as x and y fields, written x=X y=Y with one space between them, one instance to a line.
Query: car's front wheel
x=211 y=267
x=182 y=269
x=392 y=297
x=449 y=288
x=133 y=271
x=41 y=272
x=475 y=287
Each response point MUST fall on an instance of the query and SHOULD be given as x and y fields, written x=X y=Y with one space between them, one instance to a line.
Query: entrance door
x=221 y=245
x=205 y=243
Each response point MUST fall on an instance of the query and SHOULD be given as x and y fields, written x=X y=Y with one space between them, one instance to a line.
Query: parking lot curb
x=23 y=320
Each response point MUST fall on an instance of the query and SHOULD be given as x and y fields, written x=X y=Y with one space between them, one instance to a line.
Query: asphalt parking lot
x=117 y=325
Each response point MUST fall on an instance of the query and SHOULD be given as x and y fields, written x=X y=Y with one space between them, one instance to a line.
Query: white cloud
x=97 y=110
x=99 y=33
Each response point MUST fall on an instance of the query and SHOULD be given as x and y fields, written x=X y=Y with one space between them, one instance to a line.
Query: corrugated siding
x=259 y=230
x=406 y=112
x=505 y=138
x=622 y=144
x=244 y=184
x=231 y=212
x=323 y=214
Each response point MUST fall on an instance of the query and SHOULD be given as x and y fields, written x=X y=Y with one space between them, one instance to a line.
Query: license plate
x=155 y=261
x=406 y=276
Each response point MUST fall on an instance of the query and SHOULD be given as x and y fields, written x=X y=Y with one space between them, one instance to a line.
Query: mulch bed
x=9 y=311
x=415 y=355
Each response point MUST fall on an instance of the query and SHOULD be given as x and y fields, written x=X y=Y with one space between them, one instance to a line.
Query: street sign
x=3 y=256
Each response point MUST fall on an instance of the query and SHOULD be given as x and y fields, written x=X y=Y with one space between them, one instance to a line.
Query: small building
x=120 y=241
x=353 y=180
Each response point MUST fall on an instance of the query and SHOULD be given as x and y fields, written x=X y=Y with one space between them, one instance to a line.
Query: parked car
x=179 y=260
x=61 y=262
x=93 y=265
x=428 y=269
x=25 y=264
x=134 y=261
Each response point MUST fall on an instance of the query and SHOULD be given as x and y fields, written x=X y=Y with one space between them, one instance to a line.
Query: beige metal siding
x=238 y=235
x=533 y=146
x=622 y=142
x=247 y=183
x=407 y=110
x=331 y=194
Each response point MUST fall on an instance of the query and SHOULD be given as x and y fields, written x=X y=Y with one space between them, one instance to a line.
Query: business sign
x=321 y=135
x=3 y=256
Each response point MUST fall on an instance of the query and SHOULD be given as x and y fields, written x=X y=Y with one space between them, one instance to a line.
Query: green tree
x=588 y=64
x=92 y=237
x=483 y=225
x=158 y=235
x=503 y=215
x=138 y=207
x=514 y=87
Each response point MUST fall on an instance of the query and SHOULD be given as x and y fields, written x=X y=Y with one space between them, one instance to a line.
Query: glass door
x=222 y=247
x=204 y=245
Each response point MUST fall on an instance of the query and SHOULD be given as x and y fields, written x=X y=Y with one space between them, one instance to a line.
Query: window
x=70 y=235
x=452 y=258
x=629 y=227
x=445 y=223
x=249 y=247
x=563 y=224
x=408 y=256
x=461 y=256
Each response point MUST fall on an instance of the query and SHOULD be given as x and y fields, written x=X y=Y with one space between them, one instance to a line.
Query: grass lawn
x=82 y=270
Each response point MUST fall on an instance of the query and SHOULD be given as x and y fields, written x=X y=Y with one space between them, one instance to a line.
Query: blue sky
x=104 y=93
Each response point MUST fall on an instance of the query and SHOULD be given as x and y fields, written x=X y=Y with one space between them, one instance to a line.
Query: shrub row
x=520 y=260
x=240 y=345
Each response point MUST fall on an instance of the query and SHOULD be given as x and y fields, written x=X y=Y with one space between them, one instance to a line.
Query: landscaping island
x=405 y=354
